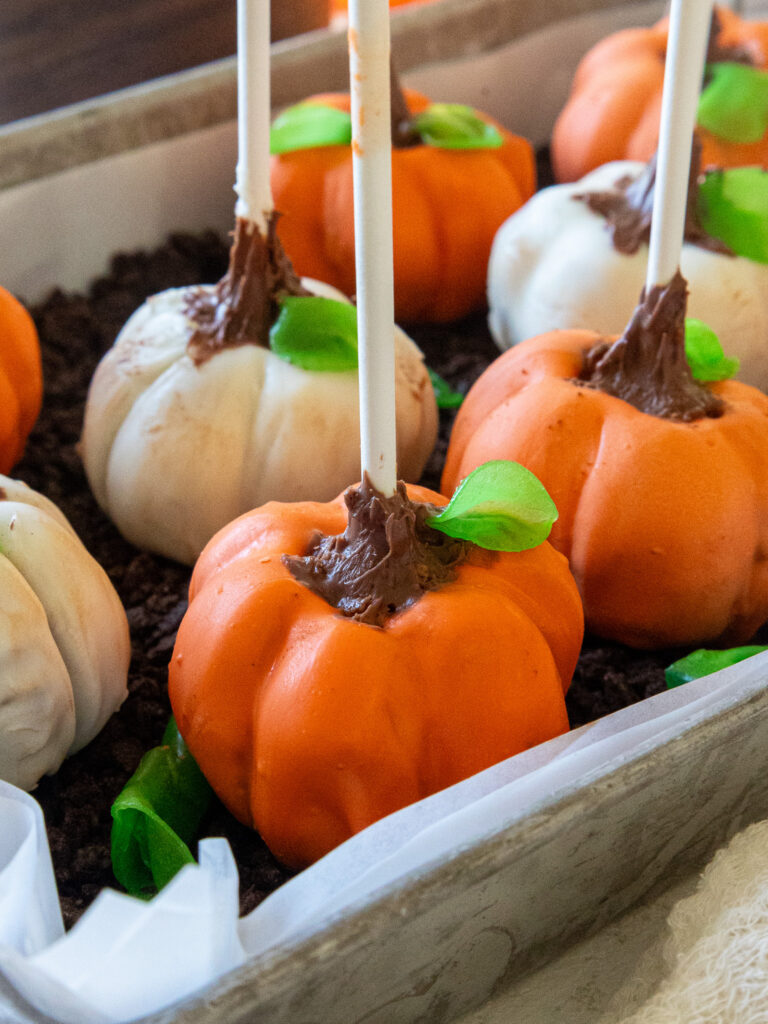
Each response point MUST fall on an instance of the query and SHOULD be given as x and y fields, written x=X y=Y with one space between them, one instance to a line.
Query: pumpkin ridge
x=158 y=420
x=310 y=746
x=452 y=272
x=100 y=421
x=755 y=469
x=513 y=580
x=278 y=595
x=441 y=232
x=503 y=619
x=420 y=189
x=282 y=653
x=340 y=177
x=579 y=477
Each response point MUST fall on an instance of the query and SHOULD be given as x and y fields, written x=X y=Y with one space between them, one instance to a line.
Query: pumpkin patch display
x=64 y=644
x=660 y=476
x=339 y=661
x=614 y=106
x=575 y=256
x=456 y=176
x=215 y=399
x=21 y=379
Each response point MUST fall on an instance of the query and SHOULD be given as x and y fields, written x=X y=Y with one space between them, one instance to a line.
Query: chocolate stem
x=385 y=560
x=403 y=132
x=245 y=302
x=628 y=206
x=647 y=366
x=717 y=53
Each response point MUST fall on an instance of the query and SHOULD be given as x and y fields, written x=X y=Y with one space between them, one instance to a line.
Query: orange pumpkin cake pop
x=657 y=462
x=661 y=481
x=339 y=661
x=21 y=379
x=456 y=177
x=614 y=107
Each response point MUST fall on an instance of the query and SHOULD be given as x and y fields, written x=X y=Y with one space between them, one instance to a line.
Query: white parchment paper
x=126 y=958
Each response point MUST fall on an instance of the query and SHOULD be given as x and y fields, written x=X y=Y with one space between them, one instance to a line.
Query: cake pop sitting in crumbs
x=615 y=102
x=658 y=465
x=215 y=399
x=457 y=175
x=21 y=379
x=339 y=661
x=64 y=645
x=575 y=256
x=192 y=418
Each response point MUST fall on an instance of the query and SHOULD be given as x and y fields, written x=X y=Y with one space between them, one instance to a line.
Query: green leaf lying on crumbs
x=704 y=662
x=501 y=506
x=445 y=396
x=315 y=333
x=157 y=815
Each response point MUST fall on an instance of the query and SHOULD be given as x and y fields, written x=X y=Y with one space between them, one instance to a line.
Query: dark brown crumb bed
x=75 y=331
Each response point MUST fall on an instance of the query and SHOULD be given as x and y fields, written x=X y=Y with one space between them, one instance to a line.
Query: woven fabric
x=717 y=953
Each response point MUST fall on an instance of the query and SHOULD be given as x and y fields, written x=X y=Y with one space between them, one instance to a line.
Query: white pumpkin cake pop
x=64 y=644
x=180 y=438
x=218 y=398
x=575 y=256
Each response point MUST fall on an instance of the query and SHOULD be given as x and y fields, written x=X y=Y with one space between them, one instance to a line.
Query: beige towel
x=717 y=954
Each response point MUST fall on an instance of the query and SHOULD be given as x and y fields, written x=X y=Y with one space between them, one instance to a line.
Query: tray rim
x=358 y=925
x=187 y=101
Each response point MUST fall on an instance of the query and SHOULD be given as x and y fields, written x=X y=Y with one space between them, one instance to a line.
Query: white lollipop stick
x=254 y=193
x=372 y=182
x=686 y=50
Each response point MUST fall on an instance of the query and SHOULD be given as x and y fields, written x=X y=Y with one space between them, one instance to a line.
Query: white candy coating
x=64 y=644
x=174 y=451
x=553 y=265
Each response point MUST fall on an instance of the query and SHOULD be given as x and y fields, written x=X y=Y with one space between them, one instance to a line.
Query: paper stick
x=372 y=177
x=254 y=193
x=686 y=49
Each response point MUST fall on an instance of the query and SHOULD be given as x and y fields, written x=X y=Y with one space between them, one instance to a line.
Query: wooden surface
x=57 y=52
x=61 y=52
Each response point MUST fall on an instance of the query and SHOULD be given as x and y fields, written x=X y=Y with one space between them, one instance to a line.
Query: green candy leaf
x=454 y=126
x=156 y=815
x=704 y=662
x=316 y=334
x=308 y=125
x=733 y=206
x=445 y=396
x=734 y=105
x=705 y=354
x=501 y=506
